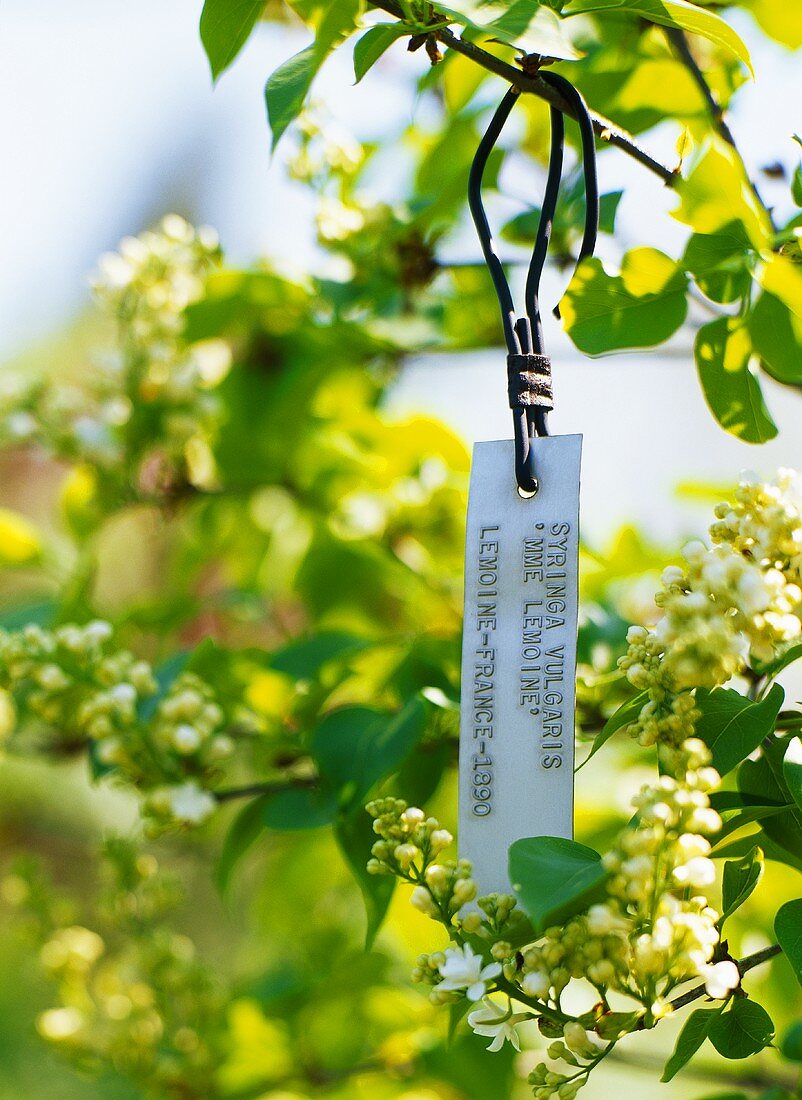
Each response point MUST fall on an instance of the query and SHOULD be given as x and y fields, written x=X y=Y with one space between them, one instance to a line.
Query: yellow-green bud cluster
x=577 y=1048
x=134 y=995
x=655 y=928
x=409 y=847
x=736 y=602
x=149 y=413
x=74 y=684
x=152 y=279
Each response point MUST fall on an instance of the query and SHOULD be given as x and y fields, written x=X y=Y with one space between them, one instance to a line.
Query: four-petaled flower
x=720 y=979
x=463 y=970
x=497 y=1023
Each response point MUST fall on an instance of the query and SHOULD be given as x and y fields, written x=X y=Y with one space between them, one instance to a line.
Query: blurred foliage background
x=209 y=460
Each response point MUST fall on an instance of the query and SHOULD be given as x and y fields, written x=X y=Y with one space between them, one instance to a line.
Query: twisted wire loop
x=529 y=383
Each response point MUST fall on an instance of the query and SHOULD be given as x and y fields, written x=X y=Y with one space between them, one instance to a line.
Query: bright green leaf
x=788 y=929
x=672 y=13
x=780 y=19
x=355 y=747
x=242 y=834
x=775 y=323
x=777 y=338
x=732 y=726
x=639 y=308
x=626 y=714
x=748 y=817
x=763 y=780
x=304 y=659
x=739 y=879
x=716 y=192
x=299 y=808
x=792 y=654
x=287 y=88
x=225 y=26
x=522 y=23
x=796 y=185
x=372 y=45
x=721 y=262
x=355 y=836
x=723 y=353
x=743 y=1031
x=554 y=878
x=791 y=1045
x=690 y=1039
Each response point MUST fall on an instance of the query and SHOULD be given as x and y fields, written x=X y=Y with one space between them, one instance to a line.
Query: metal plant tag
x=516 y=767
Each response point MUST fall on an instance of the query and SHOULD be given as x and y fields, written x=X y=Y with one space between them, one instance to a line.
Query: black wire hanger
x=528 y=368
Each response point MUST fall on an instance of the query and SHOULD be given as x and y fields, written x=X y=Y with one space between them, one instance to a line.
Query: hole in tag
x=524 y=495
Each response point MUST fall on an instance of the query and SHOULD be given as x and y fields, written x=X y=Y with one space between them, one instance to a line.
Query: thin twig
x=679 y=41
x=605 y=130
x=254 y=789
x=744 y=966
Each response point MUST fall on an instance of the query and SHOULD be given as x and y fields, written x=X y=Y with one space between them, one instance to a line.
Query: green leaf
x=672 y=13
x=569 y=218
x=287 y=89
x=639 y=308
x=522 y=23
x=626 y=714
x=41 y=613
x=793 y=653
x=723 y=353
x=788 y=930
x=775 y=324
x=554 y=878
x=739 y=880
x=355 y=747
x=796 y=185
x=721 y=262
x=355 y=837
x=748 y=817
x=693 y=1034
x=763 y=780
x=792 y=769
x=743 y=1031
x=732 y=726
x=372 y=45
x=716 y=192
x=299 y=808
x=225 y=26
x=242 y=834
x=608 y=210
x=791 y=1045
x=303 y=659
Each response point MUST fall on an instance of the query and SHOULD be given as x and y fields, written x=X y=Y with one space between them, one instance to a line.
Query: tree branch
x=254 y=789
x=679 y=41
x=605 y=130
x=744 y=966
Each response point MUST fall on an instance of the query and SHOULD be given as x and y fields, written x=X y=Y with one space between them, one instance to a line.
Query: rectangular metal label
x=516 y=765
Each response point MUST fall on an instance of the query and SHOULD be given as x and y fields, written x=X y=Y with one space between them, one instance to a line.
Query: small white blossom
x=462 y=970
x=190 y=804
x=720 y=979
x=496 y=1023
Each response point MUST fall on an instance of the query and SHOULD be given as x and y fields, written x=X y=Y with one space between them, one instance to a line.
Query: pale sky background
x=109 y=120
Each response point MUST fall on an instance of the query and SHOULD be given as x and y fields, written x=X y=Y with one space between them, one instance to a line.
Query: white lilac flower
x=496 y=1023
x=720 y=979
x=190 y=804
x=462 y=969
